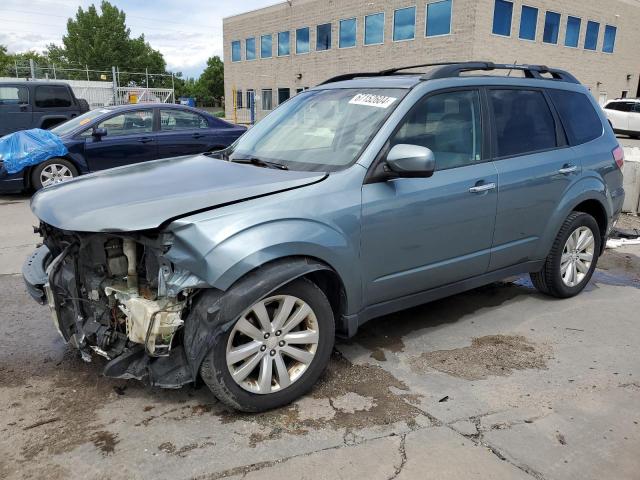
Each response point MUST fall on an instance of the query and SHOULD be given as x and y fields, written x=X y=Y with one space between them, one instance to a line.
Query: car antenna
x=515 y=62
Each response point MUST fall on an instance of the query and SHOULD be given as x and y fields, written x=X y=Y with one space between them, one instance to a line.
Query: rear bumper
x=11 y=183
x=34 y=273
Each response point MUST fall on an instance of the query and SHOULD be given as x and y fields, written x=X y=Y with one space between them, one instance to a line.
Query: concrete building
x=278 y=51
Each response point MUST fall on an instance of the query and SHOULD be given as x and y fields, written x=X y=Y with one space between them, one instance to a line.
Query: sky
x=186 y=32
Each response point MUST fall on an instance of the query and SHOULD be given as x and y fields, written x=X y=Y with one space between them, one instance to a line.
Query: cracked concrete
x=571 y=411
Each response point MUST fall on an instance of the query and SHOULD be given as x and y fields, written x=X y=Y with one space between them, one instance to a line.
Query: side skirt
x=350 y=323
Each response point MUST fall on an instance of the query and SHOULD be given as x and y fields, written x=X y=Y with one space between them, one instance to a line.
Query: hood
x=145 y=195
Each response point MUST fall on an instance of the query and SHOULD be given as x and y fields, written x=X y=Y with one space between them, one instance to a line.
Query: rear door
x=15 y=110
x=535 y=167
x=634 y=119
x=52 y=104
x=618 y=114
x=130 y=139
x=182 y=132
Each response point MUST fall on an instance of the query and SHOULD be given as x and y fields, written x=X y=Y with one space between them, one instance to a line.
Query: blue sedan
x=116 y=136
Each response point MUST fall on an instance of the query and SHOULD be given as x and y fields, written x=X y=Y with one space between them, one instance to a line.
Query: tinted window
x=528 y=23
x=266 y=47
x=52 y=96
x=249 y=96
x=502 y=14
x=250 y=49
x=348 y=33
x=13 y=95
x=283 y=95
x=284 y=44
x=573 y=32
x=267 y=99
x=404 y=24
x=636 y=107
x=579 y=118
x=236 y=51
x=323 y=37
x=591 y=39
x=239 y=98
x=438 y=18
x=620 y=106
x=523 y=122
x=180 y=120
x=448 y=124
x=551 y=27
x=374 y=29
x=609 y=39
x=129 y=123
x=302 y=40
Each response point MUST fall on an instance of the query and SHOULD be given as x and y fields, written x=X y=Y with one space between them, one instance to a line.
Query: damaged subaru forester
x=368 y=194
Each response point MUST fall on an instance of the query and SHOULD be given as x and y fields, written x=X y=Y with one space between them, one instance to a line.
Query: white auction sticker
x=370 y=100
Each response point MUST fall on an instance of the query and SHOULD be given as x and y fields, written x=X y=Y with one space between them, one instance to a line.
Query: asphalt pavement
x=499 y=383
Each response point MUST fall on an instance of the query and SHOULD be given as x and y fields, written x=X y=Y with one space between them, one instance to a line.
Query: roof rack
x=454 y=69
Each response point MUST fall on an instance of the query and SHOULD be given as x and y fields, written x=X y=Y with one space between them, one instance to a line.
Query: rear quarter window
x=52 y=96
x=580 y=120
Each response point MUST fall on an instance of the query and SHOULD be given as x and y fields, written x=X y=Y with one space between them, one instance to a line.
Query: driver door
x=130 y=139
x=421 y=233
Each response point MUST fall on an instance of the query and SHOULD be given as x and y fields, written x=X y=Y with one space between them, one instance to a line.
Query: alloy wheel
x=54 y=174
x=577 y=256
x=272 y=344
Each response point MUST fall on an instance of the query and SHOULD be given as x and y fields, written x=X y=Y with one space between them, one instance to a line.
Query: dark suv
x=37 y=104
x=366 y=195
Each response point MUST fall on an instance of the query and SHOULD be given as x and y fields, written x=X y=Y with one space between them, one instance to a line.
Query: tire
x=84 y=105
x=551 y=280
x=246 y=395
x=66 y=169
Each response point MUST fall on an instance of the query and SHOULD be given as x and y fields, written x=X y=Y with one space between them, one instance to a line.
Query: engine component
x=129 y=248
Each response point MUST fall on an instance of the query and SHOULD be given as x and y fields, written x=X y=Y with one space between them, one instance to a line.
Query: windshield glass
x=319 y=130
x=77 y=122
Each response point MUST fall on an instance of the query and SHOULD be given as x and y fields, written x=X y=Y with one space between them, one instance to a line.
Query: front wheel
x=573 y=257
x=52 y=172
x=275 y=351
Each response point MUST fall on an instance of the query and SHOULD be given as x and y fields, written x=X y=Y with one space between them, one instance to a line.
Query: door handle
x=198 y=135
x=567 y=169
x=482 y=188
x=145 y=140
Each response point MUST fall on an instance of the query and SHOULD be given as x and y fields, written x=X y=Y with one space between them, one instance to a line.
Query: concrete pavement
x=500 y=382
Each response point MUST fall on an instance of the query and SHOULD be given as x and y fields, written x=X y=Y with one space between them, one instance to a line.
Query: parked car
x=37 y=104
x=116 y=136
x=624 y=116
x=363 y=196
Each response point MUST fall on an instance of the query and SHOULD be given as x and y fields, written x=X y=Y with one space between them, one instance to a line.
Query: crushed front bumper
x=34 y=273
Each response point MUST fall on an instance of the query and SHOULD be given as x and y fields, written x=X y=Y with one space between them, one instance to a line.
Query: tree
x=5 y=61
x=102 y=40
x=211 y=81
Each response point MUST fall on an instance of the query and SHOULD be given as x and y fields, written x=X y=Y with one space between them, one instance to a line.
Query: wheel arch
x=28 y=177
x=597 y=210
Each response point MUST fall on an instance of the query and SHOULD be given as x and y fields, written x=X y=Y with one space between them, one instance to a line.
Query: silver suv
x=366 y=195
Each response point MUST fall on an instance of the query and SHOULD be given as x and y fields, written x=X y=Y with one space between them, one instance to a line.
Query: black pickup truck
x=37 y=104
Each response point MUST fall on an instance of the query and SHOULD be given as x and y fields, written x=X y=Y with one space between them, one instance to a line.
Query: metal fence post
x=16 y=62
x=234 y=92
x=115 y=85
x=87 y=68
x=252 y=107
x=32 y=66
x=173 y=88
x=53 y=65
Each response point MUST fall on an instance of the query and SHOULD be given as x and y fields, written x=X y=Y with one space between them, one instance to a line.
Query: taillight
x=618 y=156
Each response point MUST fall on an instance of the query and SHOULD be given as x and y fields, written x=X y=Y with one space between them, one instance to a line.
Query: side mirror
x=412 y=161
x=98 y=133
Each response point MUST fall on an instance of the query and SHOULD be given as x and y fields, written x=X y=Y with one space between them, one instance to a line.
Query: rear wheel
x=573 y=258
x=52 y=172
x=275 y=351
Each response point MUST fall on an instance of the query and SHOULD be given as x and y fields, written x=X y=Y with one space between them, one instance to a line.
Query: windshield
x=77 y=122
x=318 y=130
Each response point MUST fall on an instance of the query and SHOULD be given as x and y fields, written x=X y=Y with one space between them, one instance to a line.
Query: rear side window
x=580 y=120
x=13 y=95
x=523 y=121
x=52 y=96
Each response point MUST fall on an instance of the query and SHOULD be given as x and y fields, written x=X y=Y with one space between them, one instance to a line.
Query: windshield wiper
x=260 y=163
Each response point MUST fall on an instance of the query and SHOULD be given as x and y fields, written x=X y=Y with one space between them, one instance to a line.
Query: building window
x=438 y=18
x=591 y=39
x=236 y=51
x=302 y=40
x=323 y=37
x=284 y=44
x=250 y=49
x=284 y=94
x=348 y=33
x=238 y=98
x=528 y=23
x=502 y=13
x=266 y=46
x=267 y=99
x=551 y=27
x=573 y=32
x=404 y=24
x=374 y=29
x=609 y=39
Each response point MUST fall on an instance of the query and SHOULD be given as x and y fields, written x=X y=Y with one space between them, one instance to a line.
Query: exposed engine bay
x=117 y=296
